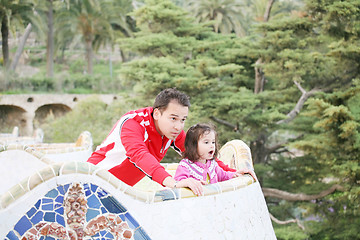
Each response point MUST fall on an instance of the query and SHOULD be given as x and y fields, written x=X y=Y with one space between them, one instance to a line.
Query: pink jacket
x=199 y=171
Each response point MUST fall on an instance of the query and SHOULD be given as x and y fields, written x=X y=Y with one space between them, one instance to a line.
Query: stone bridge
x=28 y=110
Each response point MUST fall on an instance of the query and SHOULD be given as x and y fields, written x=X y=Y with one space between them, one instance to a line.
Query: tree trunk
x=300 y=103
x=268 y=10
x=89 y=57
x=276 y=193
x=123 y=57
x=259 y=74
x=20 y=48
x=5 y=40
x=259 y=77
x=259 y=152
x=50 y=42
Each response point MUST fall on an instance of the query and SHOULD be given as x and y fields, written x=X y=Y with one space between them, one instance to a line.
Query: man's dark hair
x=192 y=138
x=167 y=95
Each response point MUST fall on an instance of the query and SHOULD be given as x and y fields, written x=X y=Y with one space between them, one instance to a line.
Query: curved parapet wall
x=76 y=200
x=14 y=138
x=80 y=150
x=19 y=161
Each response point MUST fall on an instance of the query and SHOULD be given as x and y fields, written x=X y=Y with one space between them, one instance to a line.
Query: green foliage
x=91 y=115
x=289 y=232
x=334 y=142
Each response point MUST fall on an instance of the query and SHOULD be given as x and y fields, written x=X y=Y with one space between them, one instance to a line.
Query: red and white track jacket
x=134 y=148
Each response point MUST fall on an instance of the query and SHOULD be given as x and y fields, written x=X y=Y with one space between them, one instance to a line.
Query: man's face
x=171 y=121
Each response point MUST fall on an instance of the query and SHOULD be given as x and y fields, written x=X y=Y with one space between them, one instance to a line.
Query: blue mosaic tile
x=103 y=210
x=23 y=225
x=66 y=187
x=131 y=221
x=101 y=193
x=140 y=234
x=93 y=202
x=93 y=187
x=87 y=190
x=37 y=217
x=112 y=205
x=91 y=213
x=37 y=205
x=46 y=238
x=59 y=210
x=48 y=207
x=49 y=217
x=52 y=194
x=60 y=199
x=12 y=236
x=61 y=190
x=58 y=206
x=60 y=219
x=168 y=194
x=47 y=200
x=96 y=235
x=108 y=235
x=31 y=212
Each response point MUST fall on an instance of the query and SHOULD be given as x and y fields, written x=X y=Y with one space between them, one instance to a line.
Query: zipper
x=162 y=144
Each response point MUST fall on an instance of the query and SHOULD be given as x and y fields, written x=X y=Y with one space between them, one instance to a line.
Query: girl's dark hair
x=192 y=138
x=165 y=96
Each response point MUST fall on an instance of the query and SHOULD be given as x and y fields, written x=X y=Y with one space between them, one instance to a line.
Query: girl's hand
x=194 y=185
x=236 y=174
x=204 y=182
x=243 y=171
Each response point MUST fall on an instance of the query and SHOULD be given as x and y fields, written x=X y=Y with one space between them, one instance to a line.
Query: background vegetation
x=281 y=75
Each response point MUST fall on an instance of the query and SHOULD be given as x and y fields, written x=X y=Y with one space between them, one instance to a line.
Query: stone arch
x=12 y=116
x=56 y=110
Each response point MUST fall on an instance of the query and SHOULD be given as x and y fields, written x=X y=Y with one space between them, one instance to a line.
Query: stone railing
x=76 y=200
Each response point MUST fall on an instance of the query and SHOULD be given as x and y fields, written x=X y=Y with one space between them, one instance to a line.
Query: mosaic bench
x=14 y=138
x=77 y=200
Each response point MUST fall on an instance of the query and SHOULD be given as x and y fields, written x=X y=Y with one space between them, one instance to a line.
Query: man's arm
x=224 y=166
x=132 y=138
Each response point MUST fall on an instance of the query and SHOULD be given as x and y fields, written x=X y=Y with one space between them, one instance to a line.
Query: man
x=140 y=139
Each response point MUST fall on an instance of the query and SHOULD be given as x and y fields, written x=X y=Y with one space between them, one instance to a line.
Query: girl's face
x=206 y=146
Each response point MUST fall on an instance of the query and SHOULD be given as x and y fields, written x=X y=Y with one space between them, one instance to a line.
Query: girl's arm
x=239 y=172
x=224 y=175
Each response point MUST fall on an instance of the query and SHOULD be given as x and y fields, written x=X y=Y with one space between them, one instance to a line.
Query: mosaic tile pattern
x=77 y=211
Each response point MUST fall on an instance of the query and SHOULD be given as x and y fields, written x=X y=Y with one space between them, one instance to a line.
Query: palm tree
x=236 y=15
x=44 y=21
x=50 y=41
x=11 y=10
x=226 y=15
x=92 y=22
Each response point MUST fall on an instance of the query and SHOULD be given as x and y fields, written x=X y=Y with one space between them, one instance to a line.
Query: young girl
x=199 y=157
